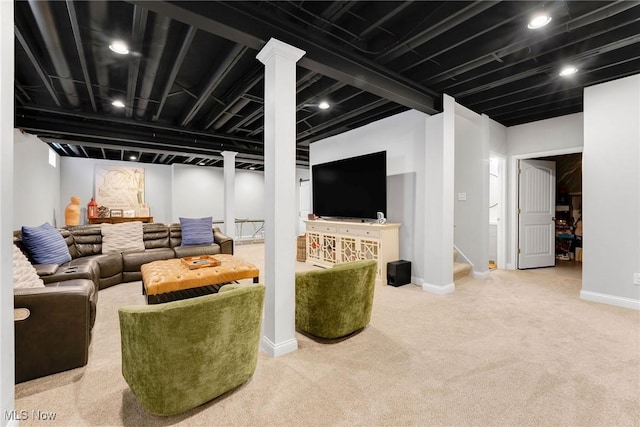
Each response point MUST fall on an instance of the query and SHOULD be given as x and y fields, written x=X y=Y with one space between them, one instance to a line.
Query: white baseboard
x=482 y=275
x=610 y=299
x=280 y=349
x=437 y=289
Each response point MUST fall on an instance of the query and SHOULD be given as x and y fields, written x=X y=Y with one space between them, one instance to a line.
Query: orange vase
x=72 y=212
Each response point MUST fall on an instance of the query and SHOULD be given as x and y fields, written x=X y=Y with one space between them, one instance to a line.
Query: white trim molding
x=280 y=349
x=482 y=275
x=633 y=304
x=439 y=290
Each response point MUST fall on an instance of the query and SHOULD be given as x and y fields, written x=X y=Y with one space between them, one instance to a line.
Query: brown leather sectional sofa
x=56 y=334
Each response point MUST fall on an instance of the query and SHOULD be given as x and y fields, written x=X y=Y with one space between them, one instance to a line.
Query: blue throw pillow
x=45 y=244
x=197 y=231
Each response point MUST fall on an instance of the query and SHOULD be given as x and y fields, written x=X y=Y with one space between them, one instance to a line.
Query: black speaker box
x=398 y=273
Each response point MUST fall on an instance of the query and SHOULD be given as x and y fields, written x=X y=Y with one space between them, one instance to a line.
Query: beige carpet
x=517 y=349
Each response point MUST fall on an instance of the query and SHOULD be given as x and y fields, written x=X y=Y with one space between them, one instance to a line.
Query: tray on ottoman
x=202 y=261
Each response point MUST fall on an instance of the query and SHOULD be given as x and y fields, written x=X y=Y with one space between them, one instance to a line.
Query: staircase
x=460 y=269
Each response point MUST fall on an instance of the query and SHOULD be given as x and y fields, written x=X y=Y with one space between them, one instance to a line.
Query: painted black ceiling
x=193 y=87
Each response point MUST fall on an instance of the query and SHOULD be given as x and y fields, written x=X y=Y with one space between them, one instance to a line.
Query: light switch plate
x=636 y=279
x=462 y=196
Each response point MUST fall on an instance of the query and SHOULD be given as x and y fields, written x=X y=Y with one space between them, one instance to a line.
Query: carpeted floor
x=518 y=349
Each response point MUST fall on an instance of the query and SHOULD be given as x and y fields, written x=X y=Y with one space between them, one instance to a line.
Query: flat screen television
x=351 y=188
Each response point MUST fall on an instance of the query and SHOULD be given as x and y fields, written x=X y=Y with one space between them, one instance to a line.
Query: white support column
x=7 y=356
x=439 y=189
x=279 y=335
x=230 y=193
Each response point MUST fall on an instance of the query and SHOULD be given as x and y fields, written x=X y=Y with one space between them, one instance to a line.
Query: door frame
x=301 y=223
x=502 y=209
x=513 y=196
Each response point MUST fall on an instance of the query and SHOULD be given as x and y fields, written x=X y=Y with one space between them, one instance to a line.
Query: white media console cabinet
x=332 y=242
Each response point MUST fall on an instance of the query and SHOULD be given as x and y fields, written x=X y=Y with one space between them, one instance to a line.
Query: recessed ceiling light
x=118 y=46
x=323 y=105
x=118 y=104
x=568 y=70
x=202 y=163
x=539 y=21
x=252 y=168
x=133 y=158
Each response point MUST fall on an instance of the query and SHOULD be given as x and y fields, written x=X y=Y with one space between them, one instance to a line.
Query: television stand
x=330 y=242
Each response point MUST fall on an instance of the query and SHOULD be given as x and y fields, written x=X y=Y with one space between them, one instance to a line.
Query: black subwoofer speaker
x=398 y=273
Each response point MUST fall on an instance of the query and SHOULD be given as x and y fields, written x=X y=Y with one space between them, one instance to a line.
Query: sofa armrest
x=45 y=269
x=54 y=334
x=225 y=242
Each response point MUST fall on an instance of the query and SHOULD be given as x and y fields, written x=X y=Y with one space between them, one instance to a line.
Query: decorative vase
x=92 y=209
x=72 y=212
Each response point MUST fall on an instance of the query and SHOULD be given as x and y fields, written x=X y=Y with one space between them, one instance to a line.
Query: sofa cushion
x=24 y=274
x=45 y=244
x=87 y=240
x=122 y=237
x=197 y=231
x=131 y=261
x=155 y=236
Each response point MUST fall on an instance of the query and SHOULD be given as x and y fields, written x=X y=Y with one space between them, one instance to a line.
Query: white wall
x=78 y=179
x=36 y=183
x=471 y=160
x=7 y=379
x=198 y=192
x=397 y=135
x=403 y=137
x=497 y=139
x=249 y=194
x=565 y=132
x=611 y=192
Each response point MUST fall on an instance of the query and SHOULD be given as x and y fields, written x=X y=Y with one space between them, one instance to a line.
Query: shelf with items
x=567 y=207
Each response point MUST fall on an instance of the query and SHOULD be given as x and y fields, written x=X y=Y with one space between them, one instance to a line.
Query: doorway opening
x=566 y=212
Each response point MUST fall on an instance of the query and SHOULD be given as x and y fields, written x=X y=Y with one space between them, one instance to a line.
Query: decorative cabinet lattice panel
x=331 y=242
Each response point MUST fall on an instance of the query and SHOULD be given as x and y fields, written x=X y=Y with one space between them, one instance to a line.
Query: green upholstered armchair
x=181 y=354
x=337 y=301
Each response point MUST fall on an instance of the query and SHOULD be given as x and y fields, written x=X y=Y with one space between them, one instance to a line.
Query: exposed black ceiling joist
x=233 y=22
x=501 y=50
x=37 y=66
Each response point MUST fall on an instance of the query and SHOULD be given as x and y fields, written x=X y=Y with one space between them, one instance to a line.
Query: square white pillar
x=230 y=193
x=279 y=335
x=439 y=188
x=7 y=352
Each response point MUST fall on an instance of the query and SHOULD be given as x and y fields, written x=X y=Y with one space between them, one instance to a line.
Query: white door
x=304 y=201
x=536 y=225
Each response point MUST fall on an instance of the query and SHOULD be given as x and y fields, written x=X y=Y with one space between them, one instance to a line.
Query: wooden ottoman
x=171 y=279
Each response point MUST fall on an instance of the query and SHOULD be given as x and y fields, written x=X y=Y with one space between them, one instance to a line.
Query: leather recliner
x=53 y=327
